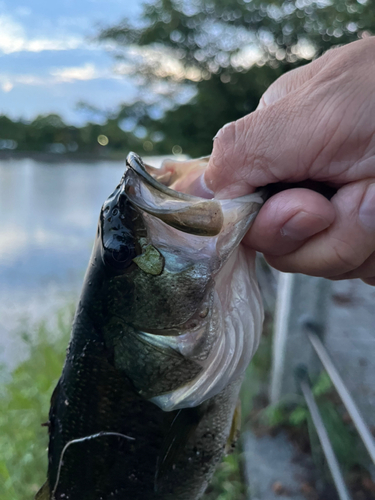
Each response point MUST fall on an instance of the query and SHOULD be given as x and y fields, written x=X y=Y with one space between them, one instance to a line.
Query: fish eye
x=119 y=258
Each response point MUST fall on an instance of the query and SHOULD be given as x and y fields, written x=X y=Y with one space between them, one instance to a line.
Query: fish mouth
x=184 y=212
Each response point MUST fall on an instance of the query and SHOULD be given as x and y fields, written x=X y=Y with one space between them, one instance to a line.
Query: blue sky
x=48 y=63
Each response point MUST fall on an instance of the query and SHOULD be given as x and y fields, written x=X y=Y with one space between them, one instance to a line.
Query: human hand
x=316 y=122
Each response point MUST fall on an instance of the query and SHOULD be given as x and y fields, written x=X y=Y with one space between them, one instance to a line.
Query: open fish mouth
x=193 y=318
x=182 y=211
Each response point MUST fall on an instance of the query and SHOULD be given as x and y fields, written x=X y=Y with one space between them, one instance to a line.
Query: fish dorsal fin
x=44 y=492
x=183 y=426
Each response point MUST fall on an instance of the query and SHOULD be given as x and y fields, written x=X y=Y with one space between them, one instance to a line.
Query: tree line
x=49 y=134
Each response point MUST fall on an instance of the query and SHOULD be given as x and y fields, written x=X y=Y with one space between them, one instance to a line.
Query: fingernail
x=199 y=188
x=367 y=208
x=303 y=225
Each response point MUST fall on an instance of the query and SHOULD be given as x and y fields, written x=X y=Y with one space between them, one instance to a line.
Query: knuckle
x=230 y=157
x=223 y=149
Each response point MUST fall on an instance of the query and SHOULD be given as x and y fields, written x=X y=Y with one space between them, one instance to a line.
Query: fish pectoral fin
x=234 y=429
x=44 y=492
x=182 y=428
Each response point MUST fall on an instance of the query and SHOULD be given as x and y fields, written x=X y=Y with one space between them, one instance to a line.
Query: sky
x=49 y=62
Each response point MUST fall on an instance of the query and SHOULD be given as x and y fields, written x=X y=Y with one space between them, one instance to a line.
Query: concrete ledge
x=274 y=468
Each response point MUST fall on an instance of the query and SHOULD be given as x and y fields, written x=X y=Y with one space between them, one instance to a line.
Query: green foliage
x=275 y=415
x=24 y=403
x=209 y=33
x=345 y=441
x=286 y=413
x=323 y=385
x=194 y=124
x=298 y=416
x=227 y=483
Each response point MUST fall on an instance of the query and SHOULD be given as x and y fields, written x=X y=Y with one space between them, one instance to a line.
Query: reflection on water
x=48 y=216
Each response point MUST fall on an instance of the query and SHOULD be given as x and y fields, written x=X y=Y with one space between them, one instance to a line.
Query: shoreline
x=7 y=155
x=56 y=158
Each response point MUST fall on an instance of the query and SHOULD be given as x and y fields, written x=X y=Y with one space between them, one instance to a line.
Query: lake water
x=49 y=214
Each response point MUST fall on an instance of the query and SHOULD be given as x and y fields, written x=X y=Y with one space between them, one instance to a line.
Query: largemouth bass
x=168 y=320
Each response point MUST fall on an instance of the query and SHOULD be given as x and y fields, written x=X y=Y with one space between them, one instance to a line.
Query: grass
x=227 y=483
x=24 y=403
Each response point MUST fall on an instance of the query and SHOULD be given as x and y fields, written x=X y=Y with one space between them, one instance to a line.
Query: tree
x=193 y=125
x=208 y=33
x=229 y=51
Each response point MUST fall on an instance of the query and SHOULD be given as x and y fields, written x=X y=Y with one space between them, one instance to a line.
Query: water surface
x=49 y=214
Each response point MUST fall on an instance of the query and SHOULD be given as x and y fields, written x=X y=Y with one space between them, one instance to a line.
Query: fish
x=168 y=319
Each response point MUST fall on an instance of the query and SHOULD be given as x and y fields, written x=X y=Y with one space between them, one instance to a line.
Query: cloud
x=7 y=86
x=85 y=72
x=159 y=62
x=13 y=39
x=8 y=81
